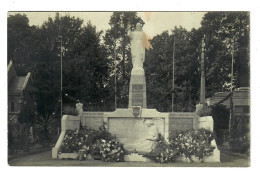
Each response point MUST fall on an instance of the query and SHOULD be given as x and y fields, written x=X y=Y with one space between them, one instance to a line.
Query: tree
x=158 y=67
x=19 y=42
x=86 y=75
x=65 y=29
x=222 y=31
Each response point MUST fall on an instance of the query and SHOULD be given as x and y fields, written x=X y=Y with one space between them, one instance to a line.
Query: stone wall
x=67 y=122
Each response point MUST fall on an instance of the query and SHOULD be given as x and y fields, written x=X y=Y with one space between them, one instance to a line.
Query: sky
x=155 y=22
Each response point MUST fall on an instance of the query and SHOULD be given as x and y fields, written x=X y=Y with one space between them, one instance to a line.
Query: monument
x=137 y=88
x=136 y=127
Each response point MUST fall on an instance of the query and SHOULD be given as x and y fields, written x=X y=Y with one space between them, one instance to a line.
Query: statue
x=138 y=44
x=79 y=108
x=148 y=141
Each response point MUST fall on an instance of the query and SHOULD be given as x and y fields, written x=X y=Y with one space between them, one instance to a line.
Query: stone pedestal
x=137 y=88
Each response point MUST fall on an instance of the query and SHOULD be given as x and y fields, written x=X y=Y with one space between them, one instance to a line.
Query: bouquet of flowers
x=95 y=142
x=110 y=151
x=192 y=142
x=75 y=140
x=162 y=152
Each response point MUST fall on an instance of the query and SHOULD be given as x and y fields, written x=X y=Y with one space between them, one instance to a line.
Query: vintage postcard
x=128 y=88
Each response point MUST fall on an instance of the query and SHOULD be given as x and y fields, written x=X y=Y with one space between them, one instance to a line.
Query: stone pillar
x=137 y=88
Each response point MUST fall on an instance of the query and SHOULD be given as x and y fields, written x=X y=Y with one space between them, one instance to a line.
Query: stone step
x=135 y=157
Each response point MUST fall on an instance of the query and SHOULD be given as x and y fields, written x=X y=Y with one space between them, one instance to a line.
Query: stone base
x=68 y=156
x=137 y=88
x=135 y=157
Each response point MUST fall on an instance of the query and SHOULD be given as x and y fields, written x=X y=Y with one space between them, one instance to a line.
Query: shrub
x=239 y=138
x=69 y=110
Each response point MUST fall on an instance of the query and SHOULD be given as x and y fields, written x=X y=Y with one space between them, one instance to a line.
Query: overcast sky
x=155 y=22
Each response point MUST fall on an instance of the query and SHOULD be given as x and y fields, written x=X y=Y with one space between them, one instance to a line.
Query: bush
x=69 y=110
x=240 y=144
x=239 y=140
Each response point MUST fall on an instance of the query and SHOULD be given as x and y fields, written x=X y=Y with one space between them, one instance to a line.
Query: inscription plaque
x=180 y=124
x=137 y=95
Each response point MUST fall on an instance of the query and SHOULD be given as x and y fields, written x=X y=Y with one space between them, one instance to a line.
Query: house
x=20 y=97
x=241 y=101
x=19 y=93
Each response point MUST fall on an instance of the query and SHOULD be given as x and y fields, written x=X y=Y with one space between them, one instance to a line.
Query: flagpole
x=231 y=89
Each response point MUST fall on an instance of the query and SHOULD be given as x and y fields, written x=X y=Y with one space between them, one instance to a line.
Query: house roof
x=9 y=65
x=18 y=84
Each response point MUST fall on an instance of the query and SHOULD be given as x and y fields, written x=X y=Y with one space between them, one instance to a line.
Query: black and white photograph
x=128 y=88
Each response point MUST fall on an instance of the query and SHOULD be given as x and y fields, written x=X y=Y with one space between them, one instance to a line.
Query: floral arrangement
x=192 y=142
x=95 y=142
x=75 y=140
x=162 y=152
x=110 y=151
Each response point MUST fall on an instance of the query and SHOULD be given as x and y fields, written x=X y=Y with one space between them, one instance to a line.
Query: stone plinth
x=137 y=88
x=206 y=122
